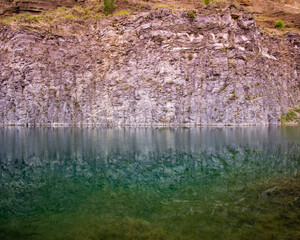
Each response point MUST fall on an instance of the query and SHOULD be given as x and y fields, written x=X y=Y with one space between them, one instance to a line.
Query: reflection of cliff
x=58 y=169
x=146 y=155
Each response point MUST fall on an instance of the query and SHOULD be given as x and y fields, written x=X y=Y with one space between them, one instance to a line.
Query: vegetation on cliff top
x=267 y=13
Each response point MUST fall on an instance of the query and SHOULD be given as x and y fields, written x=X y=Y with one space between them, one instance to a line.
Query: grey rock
x=164 y=69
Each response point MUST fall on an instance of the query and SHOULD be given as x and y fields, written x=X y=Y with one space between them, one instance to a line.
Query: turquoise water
x=150 y=183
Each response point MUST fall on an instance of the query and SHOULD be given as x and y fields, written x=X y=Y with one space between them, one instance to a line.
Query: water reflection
x=157 y=175
x=89 y=151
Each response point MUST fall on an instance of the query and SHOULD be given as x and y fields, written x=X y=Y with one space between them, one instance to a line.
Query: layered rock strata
x=157 y=68
x=8 y=7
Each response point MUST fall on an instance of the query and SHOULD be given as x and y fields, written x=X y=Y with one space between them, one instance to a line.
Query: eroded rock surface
x=156 y=68
x=7 y=7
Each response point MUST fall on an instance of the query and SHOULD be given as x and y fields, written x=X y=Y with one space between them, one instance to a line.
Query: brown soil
x=266 y=12
x=269 y=11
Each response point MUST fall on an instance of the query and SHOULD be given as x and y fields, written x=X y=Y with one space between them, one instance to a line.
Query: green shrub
x=279 y=24
x=206 y=2
x=282 y=118
x=109 y=6
x=297 y=108
x=289 y=117
x=34 y=19
x=191 y=15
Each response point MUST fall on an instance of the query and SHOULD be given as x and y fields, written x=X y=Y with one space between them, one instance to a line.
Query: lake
x=150 y=183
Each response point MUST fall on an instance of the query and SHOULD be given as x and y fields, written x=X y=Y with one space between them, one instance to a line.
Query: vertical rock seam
x=159 y=69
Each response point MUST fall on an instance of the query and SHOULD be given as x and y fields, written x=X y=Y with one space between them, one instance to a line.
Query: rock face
x=16 y=6
x=146 y=69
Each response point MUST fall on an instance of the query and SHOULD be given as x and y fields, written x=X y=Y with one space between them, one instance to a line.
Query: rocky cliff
x=211 y=66
x=7 y=7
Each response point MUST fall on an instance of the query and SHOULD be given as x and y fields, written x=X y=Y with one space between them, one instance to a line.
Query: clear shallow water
x=147 y=183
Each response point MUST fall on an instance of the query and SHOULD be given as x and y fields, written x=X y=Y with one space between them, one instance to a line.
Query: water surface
x=150 y=183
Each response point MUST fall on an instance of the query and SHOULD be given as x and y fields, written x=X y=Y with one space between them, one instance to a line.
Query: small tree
x=109 y=6
x=206 y=2
x=279 y=24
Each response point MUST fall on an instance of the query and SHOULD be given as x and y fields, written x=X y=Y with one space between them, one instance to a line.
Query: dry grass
x=266 y=13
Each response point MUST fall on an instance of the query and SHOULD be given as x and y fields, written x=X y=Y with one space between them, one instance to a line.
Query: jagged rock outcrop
x=8 y=7
x=146 y=69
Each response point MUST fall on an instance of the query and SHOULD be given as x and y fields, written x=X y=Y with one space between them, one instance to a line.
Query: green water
x=150 y=183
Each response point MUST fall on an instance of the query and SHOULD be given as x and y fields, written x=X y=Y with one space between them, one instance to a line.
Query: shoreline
x=145 y=125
